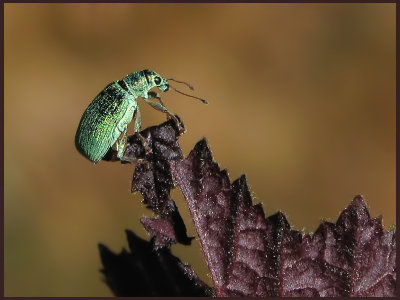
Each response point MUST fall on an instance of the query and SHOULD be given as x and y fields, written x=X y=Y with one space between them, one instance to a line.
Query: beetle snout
x=164 y=87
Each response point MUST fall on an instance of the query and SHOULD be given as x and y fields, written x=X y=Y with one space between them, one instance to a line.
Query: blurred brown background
x=302 y=100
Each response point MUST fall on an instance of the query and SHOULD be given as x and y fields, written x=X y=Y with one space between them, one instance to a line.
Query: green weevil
x=105 y=121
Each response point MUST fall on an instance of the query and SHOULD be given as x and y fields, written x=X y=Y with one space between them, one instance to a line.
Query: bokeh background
x=302 y=100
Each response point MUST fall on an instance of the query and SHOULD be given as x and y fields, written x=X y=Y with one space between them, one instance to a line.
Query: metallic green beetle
x=105 y=121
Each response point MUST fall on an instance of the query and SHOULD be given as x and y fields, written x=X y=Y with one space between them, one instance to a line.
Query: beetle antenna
x=185 y=83
x=202 y=100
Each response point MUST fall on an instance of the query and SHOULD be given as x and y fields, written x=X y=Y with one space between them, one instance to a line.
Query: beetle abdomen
x=98 y=128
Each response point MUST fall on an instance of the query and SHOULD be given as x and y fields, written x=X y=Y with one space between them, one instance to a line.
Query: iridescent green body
x=104 y=123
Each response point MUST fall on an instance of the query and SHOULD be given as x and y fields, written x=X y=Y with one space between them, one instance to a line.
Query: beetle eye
x=157 y=80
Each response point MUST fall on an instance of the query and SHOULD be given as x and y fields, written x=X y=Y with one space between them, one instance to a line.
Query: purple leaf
x=250 y=255
x=208 y=193
x=152 y=178
x=247 y=253
x=167 y=229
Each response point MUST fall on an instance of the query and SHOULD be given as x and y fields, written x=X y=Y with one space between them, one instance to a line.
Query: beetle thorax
x=137 y=84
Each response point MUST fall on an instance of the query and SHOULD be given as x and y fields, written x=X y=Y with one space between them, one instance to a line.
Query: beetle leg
x=162 y=108
x=152 y=94
x=120 y=144
x=146 y=146
x=137 y=126
x=138 y=121
x=157 y=96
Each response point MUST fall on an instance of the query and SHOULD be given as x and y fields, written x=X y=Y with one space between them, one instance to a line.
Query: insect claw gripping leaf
x=140 y=145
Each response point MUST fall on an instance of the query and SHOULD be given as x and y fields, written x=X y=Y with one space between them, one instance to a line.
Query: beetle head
x=156 y=80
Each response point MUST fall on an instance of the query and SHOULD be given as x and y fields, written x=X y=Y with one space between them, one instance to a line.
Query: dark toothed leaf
x=247 y=253
x=250 y=255
x=152 y=178
x=167 y=229
x=145 y=272
x=208 y=194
